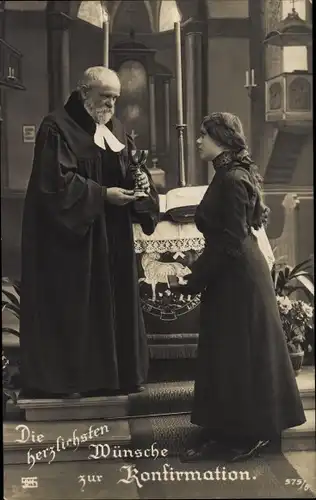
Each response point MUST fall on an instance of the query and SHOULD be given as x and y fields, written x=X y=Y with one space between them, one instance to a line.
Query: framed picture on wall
x=28 y=133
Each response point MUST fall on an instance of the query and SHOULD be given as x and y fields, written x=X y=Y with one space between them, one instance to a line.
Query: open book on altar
x=179 y=204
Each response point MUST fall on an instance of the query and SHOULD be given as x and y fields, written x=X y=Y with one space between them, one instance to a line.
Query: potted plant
x=296 y=315
x=11 y=303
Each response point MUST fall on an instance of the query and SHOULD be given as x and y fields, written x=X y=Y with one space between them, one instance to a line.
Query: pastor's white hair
x=95 y=75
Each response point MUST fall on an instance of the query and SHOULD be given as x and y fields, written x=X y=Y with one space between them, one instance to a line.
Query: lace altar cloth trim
x=172 y=237
x=162 y=246
x=168 y=237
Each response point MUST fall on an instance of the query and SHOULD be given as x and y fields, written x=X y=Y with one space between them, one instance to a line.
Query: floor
x=104 y=480
x=304 y=462
x=91 y=481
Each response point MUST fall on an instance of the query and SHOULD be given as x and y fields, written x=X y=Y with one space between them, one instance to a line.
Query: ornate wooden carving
x=273 y=55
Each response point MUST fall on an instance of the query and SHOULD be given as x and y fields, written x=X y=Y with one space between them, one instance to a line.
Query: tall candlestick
x=167 y=114
x=106 y=43
x=193 y=105
x=180 y=125
x=247 y=79
x=177 y=28
x=152 y=103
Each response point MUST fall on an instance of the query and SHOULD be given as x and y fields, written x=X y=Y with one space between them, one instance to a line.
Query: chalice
x=138 y=160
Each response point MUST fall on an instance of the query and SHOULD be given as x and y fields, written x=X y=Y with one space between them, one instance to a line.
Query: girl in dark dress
x=245 y=389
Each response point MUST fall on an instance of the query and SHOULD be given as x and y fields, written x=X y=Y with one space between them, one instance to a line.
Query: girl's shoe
x=242 y=454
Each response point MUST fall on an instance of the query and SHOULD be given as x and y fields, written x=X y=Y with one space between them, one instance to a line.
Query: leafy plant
x=288 y=279
x=10 y=302
x=7 y=387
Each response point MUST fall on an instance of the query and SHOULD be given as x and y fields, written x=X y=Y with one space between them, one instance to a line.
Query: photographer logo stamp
x=29 y=482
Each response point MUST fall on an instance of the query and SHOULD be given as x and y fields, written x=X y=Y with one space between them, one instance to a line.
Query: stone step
x=172 y=355
x=47 y=442
x=303 y=437
x=159 y=398
x=306 y=384
x=84 y=440
x=74 y=409
x=171 y=431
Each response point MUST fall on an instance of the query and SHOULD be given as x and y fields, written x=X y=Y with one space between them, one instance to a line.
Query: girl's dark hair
x=226 y=130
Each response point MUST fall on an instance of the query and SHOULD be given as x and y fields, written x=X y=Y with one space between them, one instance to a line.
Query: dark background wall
x=26 y=32
x=227 y=61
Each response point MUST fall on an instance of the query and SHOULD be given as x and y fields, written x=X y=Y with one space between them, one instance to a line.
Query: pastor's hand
x=119 y=196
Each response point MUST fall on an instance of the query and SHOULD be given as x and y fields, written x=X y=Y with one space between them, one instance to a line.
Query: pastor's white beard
x=100 y=115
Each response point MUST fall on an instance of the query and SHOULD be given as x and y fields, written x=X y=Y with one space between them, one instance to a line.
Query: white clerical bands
x=103 y=137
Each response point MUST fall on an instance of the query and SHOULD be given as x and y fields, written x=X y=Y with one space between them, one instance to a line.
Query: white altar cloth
x=173 y=237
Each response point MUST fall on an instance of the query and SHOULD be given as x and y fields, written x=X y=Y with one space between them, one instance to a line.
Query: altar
x=172 y=318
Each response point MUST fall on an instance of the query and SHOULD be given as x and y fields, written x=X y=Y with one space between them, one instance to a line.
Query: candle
x=167 y=114
x=247 y=79
x=177 y=29
x=252 y=77
x=106 y=43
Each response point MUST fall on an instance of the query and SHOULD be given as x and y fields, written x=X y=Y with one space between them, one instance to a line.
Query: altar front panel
x=171 y=250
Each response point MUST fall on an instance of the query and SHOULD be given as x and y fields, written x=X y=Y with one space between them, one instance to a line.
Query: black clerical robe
x=82 y=327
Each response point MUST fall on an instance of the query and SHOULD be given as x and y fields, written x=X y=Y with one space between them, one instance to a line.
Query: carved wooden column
x=193 y=78
x=58 y=64
x=272 y=11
